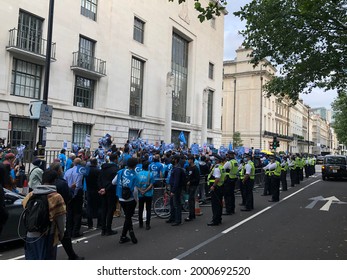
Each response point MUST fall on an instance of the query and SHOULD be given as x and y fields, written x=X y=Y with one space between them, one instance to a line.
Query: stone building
x=117 y=67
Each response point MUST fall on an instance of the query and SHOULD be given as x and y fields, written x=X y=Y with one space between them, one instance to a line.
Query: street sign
x=34 y=109
x=45 y=119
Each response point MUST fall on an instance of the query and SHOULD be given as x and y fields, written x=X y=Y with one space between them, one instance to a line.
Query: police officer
x=231 y=169
x=267 y=180
x=292 y=171
x=284 y=168
x=216 y=180
x=248 y=183
x=275 y=170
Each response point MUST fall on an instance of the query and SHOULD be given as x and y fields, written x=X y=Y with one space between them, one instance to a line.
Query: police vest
x=242 y=172
x=211 y=178
x=277 y=170
x=233 y=169
x=252 y=175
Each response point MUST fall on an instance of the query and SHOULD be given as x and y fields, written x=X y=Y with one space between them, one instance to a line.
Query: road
x=309 y=223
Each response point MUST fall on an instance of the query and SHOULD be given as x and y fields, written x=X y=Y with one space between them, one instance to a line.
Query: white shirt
x=248 y=168
x=216 y=172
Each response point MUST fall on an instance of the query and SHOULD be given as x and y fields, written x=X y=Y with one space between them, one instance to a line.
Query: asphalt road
x=309 y=223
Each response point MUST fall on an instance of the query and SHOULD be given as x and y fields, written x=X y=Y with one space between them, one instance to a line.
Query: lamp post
x=234 y=114
x=261 y=107
x=42 y=140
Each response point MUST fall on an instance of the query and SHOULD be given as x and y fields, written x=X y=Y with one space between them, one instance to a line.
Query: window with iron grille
x=209 y=109
x=84 y=92
x=210 y=70
x=139 y=30
x=89 y=8
x=136 y=87
x=23 y=131
x=26 y=79
x=29 y=36
x=79 y=133
x=179 y=67
x=86 y=53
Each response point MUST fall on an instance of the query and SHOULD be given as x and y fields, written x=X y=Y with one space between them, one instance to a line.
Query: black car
x=334 y=167
x=12 y=229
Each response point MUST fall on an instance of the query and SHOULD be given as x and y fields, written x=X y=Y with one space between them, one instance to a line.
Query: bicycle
x=161 y=205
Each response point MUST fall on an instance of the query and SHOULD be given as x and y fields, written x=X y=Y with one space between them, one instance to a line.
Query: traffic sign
x=34 y=109
x=45 y=119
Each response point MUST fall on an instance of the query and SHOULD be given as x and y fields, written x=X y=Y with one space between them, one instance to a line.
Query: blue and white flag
x=194 y=149
x=230 y=146
x=83 y=170
x=182 y=138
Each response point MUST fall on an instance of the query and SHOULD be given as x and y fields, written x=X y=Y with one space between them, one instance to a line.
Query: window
x=136 y=87
x=209 y=108
x=79 y=133
x=26 y=79
x=89 y=8
x=84 y=92
x=139 y=30
x=179 y=67
x=210 y=70
x=209 y=141
x=29 y=35
x=133 y=134
x=86 y=53
x=23 y=132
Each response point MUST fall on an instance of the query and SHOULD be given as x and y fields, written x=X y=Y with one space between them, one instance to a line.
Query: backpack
x=36 y=214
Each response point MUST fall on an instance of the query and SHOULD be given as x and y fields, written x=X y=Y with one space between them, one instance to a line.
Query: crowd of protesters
x=111 y=179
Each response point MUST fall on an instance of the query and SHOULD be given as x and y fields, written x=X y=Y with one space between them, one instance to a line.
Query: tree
x=237 y=141
x=214 y=7
x=339 y=107
x=306 y=39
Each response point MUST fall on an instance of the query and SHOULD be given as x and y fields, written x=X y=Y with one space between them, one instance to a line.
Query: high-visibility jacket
x=211 y=178
x=233 y=169
x=277 y=170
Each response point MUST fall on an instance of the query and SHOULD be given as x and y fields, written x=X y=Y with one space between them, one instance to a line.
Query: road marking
x=218 y=235
x=330 y=200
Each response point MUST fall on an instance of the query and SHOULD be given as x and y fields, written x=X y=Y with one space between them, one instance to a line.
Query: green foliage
x=339 y=107
x=306 y=39
x=207 y=12
x=237 y=141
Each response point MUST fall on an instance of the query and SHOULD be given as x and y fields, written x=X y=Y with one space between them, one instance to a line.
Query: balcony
x=29 y=46
x=88 y=66
x=180 y=118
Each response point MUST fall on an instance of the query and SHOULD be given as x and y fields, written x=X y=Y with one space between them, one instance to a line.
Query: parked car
x=334 y=167
x=13 y=229
x=319 y=159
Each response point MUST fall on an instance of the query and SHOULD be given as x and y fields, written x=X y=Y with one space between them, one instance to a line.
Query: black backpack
x=36 y=214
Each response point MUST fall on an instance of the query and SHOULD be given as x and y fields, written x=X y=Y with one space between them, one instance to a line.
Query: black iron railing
x=29 y=41
x=89 y=63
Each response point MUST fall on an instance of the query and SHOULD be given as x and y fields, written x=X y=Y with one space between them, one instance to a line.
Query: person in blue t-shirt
x=156 y=168
x=145 y=192
x=127 y=178
x=62 y=158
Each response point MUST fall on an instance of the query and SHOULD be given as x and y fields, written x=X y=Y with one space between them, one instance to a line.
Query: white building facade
x=117 y=67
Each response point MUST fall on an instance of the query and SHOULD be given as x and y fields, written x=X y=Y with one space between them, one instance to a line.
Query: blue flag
x=230 y=146
x=83 y=170
x=182 y=138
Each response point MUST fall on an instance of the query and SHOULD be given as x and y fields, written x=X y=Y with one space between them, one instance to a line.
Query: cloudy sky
x=232 y=40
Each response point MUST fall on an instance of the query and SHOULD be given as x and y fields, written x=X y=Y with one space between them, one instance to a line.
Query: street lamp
x=42 y=141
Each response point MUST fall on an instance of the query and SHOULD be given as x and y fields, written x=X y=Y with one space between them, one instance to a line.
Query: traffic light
x=274 y=143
